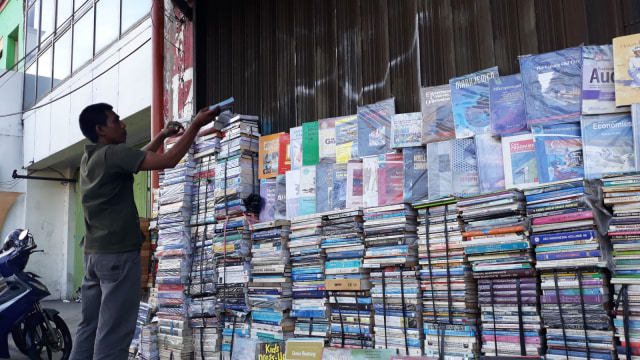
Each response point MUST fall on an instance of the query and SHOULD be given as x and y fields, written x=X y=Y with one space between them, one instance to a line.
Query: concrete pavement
x=69 y=311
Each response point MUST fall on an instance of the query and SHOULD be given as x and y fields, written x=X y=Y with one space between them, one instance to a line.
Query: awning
x=7 y=199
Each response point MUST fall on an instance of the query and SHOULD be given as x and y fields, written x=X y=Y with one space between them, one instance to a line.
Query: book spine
x=563 y=218
x=560 y=237
x=494 y=231
x=568 y=255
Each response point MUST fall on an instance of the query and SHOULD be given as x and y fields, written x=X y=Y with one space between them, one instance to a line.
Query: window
x=62 y=58
x=29 y=96
x=64 y=12
x=47 y=24
x=43 y=85
x=107 y=22
x=31 y=29
x=83 y=40
x=133 y=11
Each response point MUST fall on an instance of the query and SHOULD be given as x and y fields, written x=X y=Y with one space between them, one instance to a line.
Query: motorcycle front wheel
x=42 y=344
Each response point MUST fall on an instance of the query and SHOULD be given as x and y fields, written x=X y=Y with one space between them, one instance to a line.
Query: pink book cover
x=563 y=217
x=390 y=179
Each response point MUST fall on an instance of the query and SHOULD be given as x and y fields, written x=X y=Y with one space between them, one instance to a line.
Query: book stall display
x=498 y=247
x=449 y=292
x=310 y=305
x=475 y=228
x=391 y=254
x=347 y=282
x=572 y=261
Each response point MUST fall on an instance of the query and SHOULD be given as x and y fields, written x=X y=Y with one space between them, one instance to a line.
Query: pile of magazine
x=307 y=272
x=148 y=348
x=621 y=197
x=500 y=253
x=391 y=253
x=347 y=282
x=449 y=293
x=571 y=257
x=270 y=286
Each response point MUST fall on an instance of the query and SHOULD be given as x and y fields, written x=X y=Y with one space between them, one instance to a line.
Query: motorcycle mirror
x=23 y=234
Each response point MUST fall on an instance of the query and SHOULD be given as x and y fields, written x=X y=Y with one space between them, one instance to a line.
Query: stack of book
x=202 y=199
x=621 y=196
x=207 y=343
x=236 y=326
x=575 y=309
x=206 y=326
x=148 y=349
x=347 y=282
x=270 y=286
x=563 y=226
x=392 y=254
x=498 y=247
x=449 y=292
x=571 y=256
x=309 y=294
x=173 y=252
x=207 y=142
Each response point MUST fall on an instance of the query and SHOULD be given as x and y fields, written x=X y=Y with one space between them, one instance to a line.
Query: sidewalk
x=69 y=311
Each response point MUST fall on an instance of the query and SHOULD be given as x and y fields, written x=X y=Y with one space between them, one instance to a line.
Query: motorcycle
x=33 y=328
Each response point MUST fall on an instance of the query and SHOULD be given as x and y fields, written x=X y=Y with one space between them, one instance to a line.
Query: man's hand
x=172 y=128
x=206 y=116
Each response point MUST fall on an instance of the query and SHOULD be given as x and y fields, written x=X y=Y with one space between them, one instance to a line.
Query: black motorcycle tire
x=38 y=345
x=19 y=333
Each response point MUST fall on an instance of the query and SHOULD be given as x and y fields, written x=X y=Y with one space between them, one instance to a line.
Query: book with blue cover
x=268 y=197
x=552 y=86
x=339 y=192
x=406 y=130
x=295 y=147
x=324 y=187
x=280 y=212
x=490 y=166
x=558 y=152
x=608 y=144
x=598 y=85
x=437 y=114
x=439 y=164
x=346 y=138
x=464 y=167
x=374 y=127
x=470 y=102
x=293 y=193
x=506 y=98
x=519 y=159
x=416 y=181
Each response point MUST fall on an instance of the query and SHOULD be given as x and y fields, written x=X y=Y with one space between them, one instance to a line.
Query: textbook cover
x=354 y=184
x=327 y=140
x=464 y=167
x=437 y=113
x=270 y=160
x=346 y=138
x=308 y=190
x=374 y=127
x=470 y=102
x=519 y=158
x=439 y=163
x=490 y=164
x=608 y=144
x=390 y=178
x=506 y=98
x=406 y=130
x=558 y=151
x=416 y=184
x=310 y=146
x=293 y=193
x=339 y=193
x=370 y=181
x=268 y=197
x=280 y=212
x=626 y=66
x=324 y=187
x=598 y=85
x=295 y=147
x=552 y=86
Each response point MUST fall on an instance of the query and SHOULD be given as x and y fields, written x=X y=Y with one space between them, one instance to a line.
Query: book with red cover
x=390 y=179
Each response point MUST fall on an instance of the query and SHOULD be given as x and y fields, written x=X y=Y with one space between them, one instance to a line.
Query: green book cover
x=310 y=144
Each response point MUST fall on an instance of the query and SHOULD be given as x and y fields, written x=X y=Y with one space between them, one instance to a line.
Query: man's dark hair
x=91 y=116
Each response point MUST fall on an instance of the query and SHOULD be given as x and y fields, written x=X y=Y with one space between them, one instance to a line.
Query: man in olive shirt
x=111 y=285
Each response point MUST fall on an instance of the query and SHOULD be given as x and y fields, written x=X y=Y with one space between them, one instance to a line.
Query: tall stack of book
x=449 y=292
x=621 y=196
x=236 y=188
x=270 y=286
x=498 y=247
x=347 y=282
x=309 y=294
x=571 y=258
x=206 y=327
x=392 y=255
x=148 y=349
x=173 y=252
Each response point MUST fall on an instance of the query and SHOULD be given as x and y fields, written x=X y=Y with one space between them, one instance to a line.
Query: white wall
x=11 y=147
x=121 y=76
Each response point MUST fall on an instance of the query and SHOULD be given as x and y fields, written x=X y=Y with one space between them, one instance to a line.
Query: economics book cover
x=608 y=144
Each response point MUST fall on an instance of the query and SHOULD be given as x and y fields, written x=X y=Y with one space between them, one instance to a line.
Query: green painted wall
x=11 y=27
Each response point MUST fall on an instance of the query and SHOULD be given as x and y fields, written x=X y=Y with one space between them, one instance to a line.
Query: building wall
x=11 y=17
x=53 y=145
